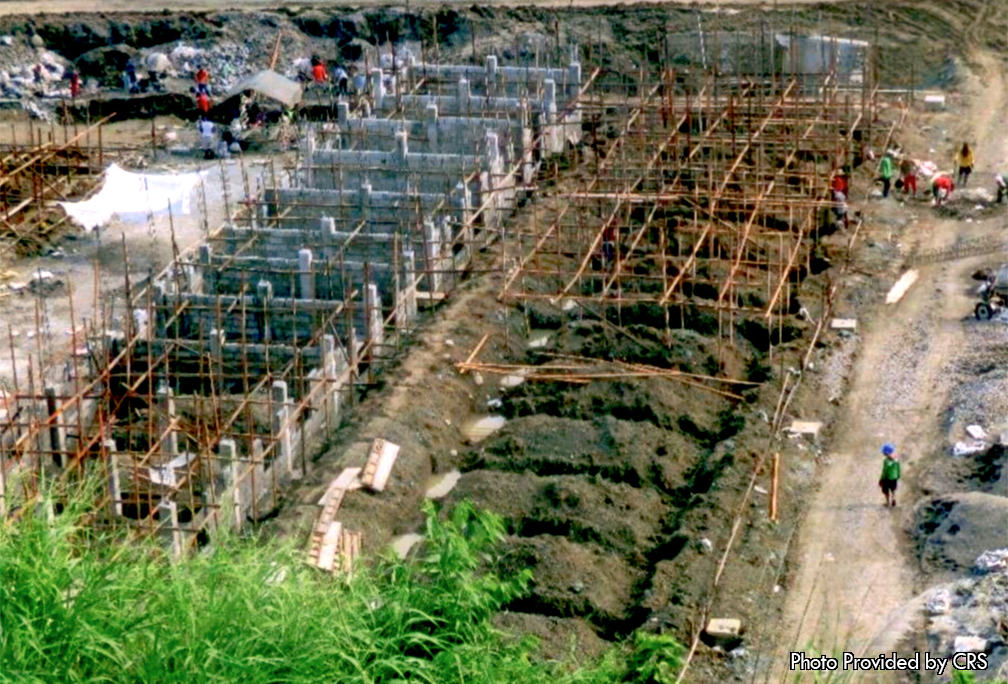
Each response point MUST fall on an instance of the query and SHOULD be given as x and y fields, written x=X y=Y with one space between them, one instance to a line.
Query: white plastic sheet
x=133 y=196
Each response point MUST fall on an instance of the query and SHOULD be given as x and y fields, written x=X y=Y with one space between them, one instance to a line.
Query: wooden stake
x=774 y=483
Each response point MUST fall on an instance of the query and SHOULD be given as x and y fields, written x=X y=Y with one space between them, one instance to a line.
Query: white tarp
x=133 y=196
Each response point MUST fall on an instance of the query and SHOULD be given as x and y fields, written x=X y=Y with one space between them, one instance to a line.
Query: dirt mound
x=610 y=449
x=575 y=580
x=953 y=530
x=614 y=516
x=554 y=634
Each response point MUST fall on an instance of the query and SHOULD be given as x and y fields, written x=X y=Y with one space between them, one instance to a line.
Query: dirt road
x=855 y=582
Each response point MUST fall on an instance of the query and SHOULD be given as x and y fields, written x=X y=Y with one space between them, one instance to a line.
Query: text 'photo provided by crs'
x=918 y=662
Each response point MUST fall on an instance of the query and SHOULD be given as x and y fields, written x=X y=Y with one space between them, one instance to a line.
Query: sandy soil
x=856 y=577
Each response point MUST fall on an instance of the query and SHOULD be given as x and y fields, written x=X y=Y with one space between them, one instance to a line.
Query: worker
x=908 y=174
x=942 y=187
x=74 y=85
x=341 y=80
x=885 y=171
x=202 y=81
x=1001 y=179
x=890 y=473
x=206 y=131
x=964 y=161
x=839 y=183
x=319 y=73
x=130 y=79
x=203 y=103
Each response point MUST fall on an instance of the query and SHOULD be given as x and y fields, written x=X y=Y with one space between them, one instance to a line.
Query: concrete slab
x=844 y=324
x=805 y=427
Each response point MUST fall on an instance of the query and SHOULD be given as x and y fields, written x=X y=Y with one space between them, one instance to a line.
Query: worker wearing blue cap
x=890 y=473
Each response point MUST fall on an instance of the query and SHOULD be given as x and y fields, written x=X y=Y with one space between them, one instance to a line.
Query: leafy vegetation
x=76 y=608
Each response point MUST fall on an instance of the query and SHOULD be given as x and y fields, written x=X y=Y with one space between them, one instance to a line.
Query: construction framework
x=703 y=194
x=235 y=364
x=52 y=163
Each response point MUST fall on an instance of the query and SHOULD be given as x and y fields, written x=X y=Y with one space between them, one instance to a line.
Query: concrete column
x=373 y=308
x=205 y=269
x=264 y=295
x=463 y=201
x=402 y=145
x=231 y=505
x=170 y=509
x=330 y=394
x=491 y=69
x=327 y=226
x=354 y=348
x=115 y=482
x=343 y=113
x=306 y=277
x=281 y=431
x=406 y=296
x=463 y=97
x=217 y=340
x=377 y=88
x=573 y=79
x=57 y=432
x=432 y=243
x=281 y=434
x=169 y=516
x=365 y=201
x=165 y=414
x=433 y=138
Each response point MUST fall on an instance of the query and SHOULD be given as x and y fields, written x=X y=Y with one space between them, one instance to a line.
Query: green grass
x=76 y=608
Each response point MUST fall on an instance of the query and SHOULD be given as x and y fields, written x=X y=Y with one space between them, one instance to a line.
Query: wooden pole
x=774 y=484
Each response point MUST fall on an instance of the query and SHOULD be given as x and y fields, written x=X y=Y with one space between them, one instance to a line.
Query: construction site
x=610 y=292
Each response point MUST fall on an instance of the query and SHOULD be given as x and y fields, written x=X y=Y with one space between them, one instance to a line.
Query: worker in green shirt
x=885 y=172
x=890 y=473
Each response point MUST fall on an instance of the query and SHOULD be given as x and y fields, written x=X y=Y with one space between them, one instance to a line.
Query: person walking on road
x=885 y=172
x=890 y=473
x=964 y=160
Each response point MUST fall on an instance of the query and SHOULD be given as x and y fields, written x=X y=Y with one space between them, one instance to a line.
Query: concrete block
x=805 y=427
x=934 y=103
x=724 y=628
x=378 y=468
x=844 y=324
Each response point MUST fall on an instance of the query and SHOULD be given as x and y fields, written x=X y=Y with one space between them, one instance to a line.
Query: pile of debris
x=971 y=614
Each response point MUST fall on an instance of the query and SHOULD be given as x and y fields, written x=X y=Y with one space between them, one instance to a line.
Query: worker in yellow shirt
x=964 y=160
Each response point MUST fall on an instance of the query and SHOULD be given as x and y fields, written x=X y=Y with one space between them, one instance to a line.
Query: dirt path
x=855 y=579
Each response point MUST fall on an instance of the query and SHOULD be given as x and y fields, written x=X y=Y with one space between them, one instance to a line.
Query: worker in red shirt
x=74 y=85
x=203 y=81
x=203 y=102
x=319 y=72
x=840 y=184
x=942 y=187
